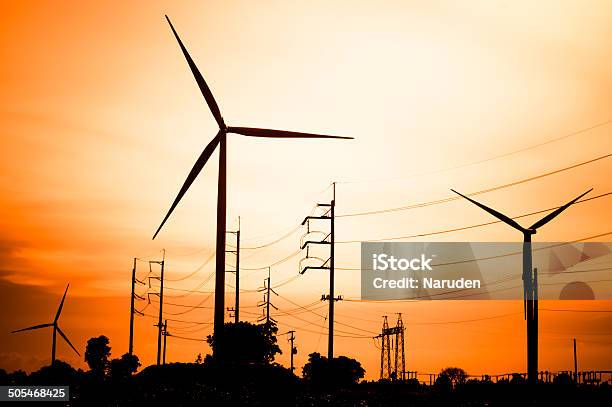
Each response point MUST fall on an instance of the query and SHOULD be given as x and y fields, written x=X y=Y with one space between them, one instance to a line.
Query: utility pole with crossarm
x=328 y=215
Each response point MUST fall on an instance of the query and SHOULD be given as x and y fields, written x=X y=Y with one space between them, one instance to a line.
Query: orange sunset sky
x=101 y=121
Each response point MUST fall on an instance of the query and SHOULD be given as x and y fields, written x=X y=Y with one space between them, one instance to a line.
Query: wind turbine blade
x=210 y=100
x=66 y=339
x=59 y=310
x=32 y=327
x=556 y=212
x=197 y=167
x=254 y=132
x=493 y=212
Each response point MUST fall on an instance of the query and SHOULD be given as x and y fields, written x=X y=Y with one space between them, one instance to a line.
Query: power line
x=186 y=338
x=196 y=289
x=190 y=330
x=281 y=238
x=181 y=320
x=198 y=251
x=465 y=320
x=491 y=189
x=200 y=267
x=321 y=316
x=190 y=307
x=295 y=228
x=186 y=306
x=285 y=232
x=577 y=271
x=276 y=263
x=499 y=255
x=293 y=315
x=186 y=290
x=469 y=294
x=439 y=232
x=287 y=281
x=335 y=329
x=324 y=333
x=482 y=161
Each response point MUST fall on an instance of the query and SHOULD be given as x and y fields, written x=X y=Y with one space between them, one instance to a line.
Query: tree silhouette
x=443 y=383
x=57 y=373
x=456 y=375
x=124 y=367
x=248 y=343
x=97 y=353
x=339 y=372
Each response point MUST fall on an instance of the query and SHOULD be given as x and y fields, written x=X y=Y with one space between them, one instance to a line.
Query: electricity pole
x=332 y=299
x=293 y=348
x=161 y=305
x=131 y=345
x=329 y=239
x=132 y=309
x=575 y=363
x=237 y=306
x=165 y=337
x=237 y=271
x=266 y=302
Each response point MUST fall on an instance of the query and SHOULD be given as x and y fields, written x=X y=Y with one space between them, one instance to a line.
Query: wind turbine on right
x=530 y=299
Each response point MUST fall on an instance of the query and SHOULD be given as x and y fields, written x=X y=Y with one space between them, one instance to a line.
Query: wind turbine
x=56 y=328
x=220 y=139
x=530 y=297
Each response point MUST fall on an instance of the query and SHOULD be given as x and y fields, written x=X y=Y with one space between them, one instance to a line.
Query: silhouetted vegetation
x=97 y=353
x=251 y=377
x=340 y=372
x=248 y=343
x=454 y=376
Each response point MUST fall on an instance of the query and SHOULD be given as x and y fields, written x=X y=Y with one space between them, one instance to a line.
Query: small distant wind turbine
x=220 y=139
x=56 y=328
x=530 y=299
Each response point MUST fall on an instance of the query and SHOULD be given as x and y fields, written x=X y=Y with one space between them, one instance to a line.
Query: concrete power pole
x=165 y=333
x=237 y=306
x=160 y=324
x=327 y=265
x=293 y=348
x=236 y=252
x=575 y=363
x=133 y=309
x=131 y=345
x=267 y=303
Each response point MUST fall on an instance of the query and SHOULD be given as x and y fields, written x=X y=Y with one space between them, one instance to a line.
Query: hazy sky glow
x=102 y=120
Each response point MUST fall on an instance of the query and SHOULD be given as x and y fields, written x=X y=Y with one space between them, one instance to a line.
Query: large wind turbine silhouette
x=56 y=328
x=530 y=298
x=220 y=139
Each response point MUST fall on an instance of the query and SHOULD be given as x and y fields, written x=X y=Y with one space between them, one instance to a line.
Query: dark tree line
x=248 y=375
